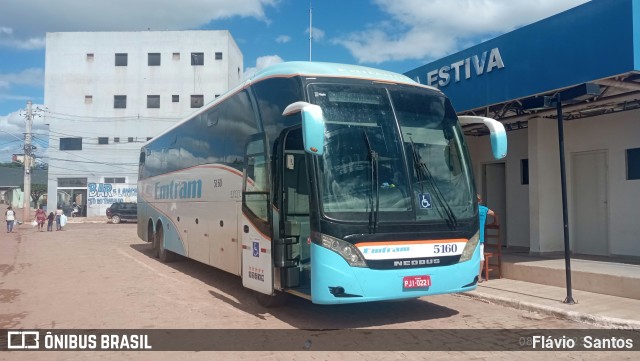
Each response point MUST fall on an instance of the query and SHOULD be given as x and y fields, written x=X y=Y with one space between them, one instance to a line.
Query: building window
x=72 y=182
x=153 y=101
x=197 y=101
x=175 y=98
x=70 y=143
x=218 y=56
x=116 y=139
x=103 y=140
x=215 y=96
x=89 y=56
x=197 y=58
x=149 y=138
x=120 y=101
x=114 y=180
x=176 y=56
x=524 y=171
x=121 y=59
x=88 y=99
x=154 y=59
x=130 y=139
x=633 y=163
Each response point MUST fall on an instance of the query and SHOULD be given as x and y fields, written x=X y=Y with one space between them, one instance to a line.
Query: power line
x=13 y=141
x=66 y=116
x=90 y=162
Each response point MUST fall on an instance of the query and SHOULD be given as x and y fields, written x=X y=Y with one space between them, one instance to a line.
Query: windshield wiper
x=373 y=158
x=423 y=172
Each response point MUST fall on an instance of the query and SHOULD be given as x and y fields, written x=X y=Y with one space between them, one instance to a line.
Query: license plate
x=416 y=281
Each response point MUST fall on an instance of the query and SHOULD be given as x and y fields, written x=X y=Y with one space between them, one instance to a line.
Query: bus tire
x=268 y=301
x=164 y=255
x=151 y=238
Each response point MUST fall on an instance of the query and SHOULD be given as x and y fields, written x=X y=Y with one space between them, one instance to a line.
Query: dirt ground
x=101 y=276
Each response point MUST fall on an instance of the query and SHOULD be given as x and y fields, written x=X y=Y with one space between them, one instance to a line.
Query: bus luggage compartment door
x=257 y=269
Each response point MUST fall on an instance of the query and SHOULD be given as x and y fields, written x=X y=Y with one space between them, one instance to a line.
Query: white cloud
x=12 y=128
x=429 y=29
x=28 y=44
x=283 y=39
x=318 y=34
x=30 y=77
x=7 y=39
x=261 y=63
x=27 y=20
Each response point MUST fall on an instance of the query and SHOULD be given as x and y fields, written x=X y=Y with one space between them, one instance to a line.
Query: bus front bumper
x=333 y=281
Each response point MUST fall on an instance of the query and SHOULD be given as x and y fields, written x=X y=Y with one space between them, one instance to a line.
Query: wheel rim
x=115 y=219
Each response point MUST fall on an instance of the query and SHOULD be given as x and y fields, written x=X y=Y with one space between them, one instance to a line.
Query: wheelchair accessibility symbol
x=424 y=199
x=256 y=249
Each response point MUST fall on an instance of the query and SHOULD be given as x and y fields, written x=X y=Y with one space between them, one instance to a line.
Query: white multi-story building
x=107 y=93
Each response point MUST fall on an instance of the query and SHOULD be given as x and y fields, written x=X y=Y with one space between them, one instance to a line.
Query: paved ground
x=101 y=276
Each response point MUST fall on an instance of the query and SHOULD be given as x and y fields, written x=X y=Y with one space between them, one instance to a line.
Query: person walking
x=483 y=212
x=59 y=214
x=50 y=219
x=41 y=217
x=10 y=217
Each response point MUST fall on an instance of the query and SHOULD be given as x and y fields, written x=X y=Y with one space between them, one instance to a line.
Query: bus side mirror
x=312 y=125
x=496 y=130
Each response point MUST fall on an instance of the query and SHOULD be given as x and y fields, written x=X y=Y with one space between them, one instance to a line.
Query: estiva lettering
x=475 y=65
x=179 y=190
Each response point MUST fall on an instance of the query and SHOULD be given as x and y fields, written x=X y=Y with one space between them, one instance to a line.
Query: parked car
x=119 y=212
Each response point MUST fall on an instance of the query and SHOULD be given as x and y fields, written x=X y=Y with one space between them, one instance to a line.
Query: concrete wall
x=614 y=133
x=517 y=194
x=71 y=75
x=234 y=60
x=545 y=191
x=534 y=212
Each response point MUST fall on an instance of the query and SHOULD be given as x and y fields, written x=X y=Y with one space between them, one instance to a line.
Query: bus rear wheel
x=151 y=238
x=158 y=247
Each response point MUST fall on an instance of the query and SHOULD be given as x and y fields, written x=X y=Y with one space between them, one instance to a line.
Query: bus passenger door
x=257 y=264
x=291 y=248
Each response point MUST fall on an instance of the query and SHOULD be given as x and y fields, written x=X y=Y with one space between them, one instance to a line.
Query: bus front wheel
x=269 y=301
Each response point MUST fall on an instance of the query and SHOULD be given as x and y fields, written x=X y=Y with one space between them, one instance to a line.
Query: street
x=101 y=276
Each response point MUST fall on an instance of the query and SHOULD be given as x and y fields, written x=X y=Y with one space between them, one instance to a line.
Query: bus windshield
x=394 y=153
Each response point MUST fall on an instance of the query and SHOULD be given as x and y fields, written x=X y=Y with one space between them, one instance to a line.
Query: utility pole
x=310 y=29
x=565 y=213
x=27 y=165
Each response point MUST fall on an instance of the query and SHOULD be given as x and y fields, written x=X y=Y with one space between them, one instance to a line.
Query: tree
x=12 y=165
x=37 y=191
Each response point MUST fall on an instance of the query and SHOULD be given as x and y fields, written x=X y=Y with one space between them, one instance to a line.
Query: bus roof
x=305 y=68
x=330 y=70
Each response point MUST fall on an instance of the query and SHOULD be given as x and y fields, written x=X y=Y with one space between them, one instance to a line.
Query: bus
x=331 y=182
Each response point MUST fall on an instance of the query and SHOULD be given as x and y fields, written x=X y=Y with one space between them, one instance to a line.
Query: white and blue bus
x=335 y=183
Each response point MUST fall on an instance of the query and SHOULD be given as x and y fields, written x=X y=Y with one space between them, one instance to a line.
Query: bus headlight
x=349 y=252
x=467 y=253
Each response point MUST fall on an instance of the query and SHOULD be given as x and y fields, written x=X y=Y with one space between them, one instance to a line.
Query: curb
x=602 y=321
x=80 y=222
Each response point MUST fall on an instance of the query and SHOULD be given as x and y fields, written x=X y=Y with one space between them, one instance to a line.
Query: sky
x=396 y=35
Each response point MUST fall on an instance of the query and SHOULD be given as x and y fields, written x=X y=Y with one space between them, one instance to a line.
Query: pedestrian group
x=40 y=218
